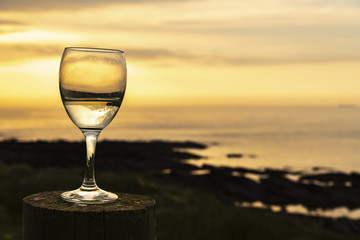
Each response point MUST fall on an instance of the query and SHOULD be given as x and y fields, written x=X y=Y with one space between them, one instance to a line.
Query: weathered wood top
x=53 y=201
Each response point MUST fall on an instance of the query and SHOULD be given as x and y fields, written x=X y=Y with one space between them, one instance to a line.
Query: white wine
x=91 y=113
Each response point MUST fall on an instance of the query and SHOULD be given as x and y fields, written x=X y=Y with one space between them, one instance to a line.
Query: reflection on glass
x=92 y=87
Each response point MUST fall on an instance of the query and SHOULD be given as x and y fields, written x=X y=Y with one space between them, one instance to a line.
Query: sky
x=182 y=52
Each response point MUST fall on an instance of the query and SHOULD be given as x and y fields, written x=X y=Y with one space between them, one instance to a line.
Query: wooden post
x=47 y=217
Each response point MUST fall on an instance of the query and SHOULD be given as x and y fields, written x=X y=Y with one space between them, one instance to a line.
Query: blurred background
x=274 y=79
x=264 y=84
x=205 y=52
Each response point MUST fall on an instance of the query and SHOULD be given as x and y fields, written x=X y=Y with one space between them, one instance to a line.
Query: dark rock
x=234 y=155
x=151 y=158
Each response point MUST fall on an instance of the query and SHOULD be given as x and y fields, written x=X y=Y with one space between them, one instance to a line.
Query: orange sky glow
x=202 y=52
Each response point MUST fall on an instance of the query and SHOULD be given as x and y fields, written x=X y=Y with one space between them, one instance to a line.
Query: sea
x=291 y=138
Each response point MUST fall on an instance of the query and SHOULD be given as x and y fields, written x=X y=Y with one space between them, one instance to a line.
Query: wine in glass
x=92 y=87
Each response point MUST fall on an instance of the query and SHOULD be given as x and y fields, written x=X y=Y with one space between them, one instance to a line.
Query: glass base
x=97 y=196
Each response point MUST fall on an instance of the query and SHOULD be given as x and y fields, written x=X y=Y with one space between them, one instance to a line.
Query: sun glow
x=35 y=36
x=190 y=52
x=43 y=66
x=29 y=83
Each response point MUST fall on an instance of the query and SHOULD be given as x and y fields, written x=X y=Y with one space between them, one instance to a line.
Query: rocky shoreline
x=167 y=160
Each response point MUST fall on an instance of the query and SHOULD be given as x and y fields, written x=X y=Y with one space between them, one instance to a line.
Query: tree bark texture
x=47 y=217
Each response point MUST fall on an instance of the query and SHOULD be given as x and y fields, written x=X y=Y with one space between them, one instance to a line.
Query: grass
x=182 y=213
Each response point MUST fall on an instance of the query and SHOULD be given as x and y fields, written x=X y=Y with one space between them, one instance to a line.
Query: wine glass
x=92 y=87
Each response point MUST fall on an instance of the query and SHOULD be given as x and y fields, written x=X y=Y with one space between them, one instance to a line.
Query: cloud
x=335 y=3
x=153 y=54
x=27 y=52
x=45 y=4
x=24 y=52
x=64 y=4
x=248 y=59
x=10 y=26
x=10 y=22
x=287 y=60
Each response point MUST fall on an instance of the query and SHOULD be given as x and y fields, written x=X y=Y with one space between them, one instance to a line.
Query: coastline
x=165 y=160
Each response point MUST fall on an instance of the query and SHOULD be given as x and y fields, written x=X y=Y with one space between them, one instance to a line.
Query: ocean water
x=291 y=138
x=295 y=138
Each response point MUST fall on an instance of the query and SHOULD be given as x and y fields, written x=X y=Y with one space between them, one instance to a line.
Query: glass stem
x=89 y=183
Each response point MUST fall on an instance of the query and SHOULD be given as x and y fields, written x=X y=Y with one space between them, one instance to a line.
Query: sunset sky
x=212 y=52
